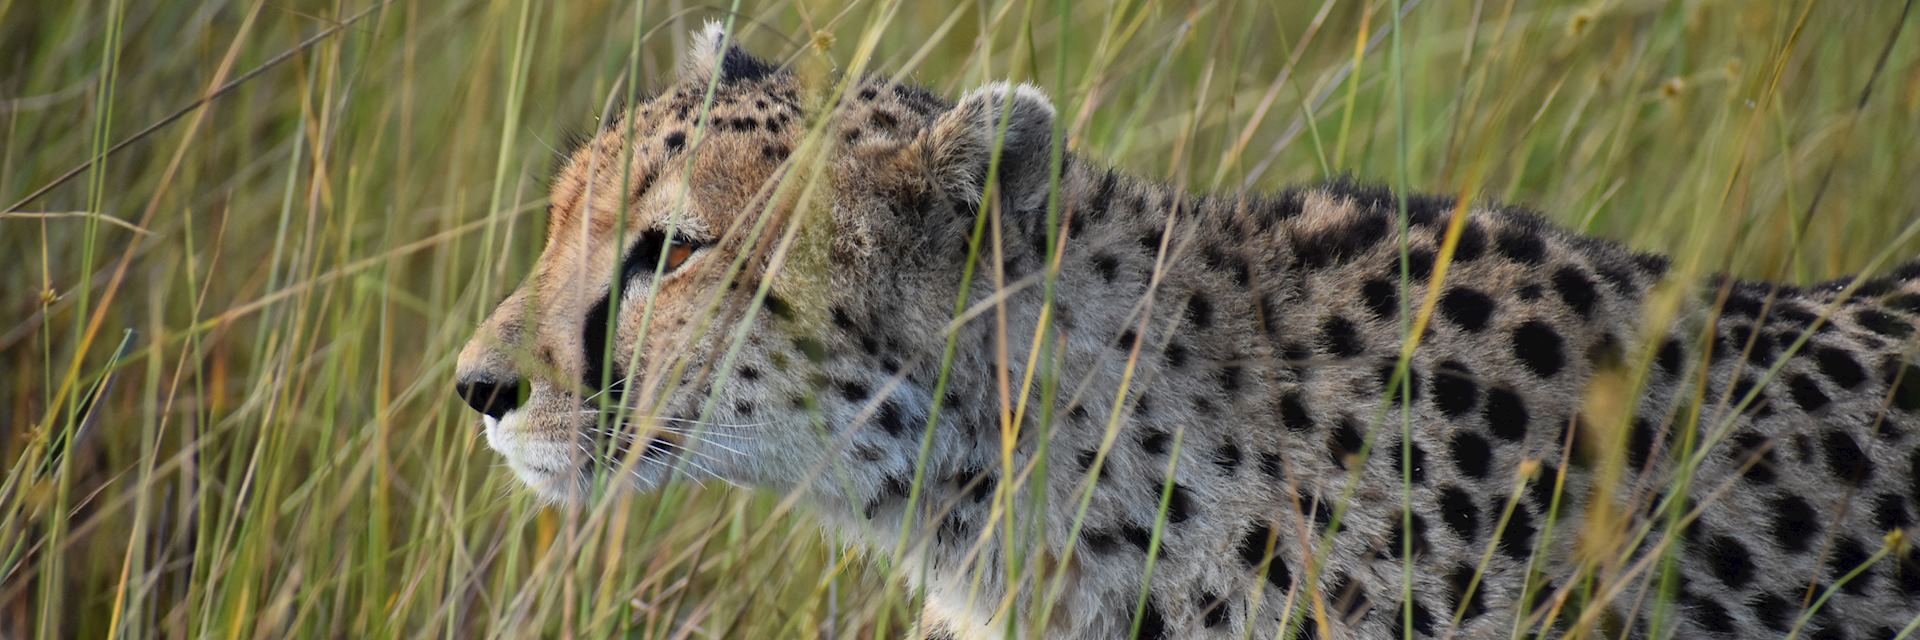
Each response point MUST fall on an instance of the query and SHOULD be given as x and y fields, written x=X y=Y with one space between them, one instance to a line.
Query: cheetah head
x=744 y=282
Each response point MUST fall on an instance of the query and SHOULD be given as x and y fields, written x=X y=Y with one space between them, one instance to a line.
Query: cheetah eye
x=678 y=252
x=653 y=247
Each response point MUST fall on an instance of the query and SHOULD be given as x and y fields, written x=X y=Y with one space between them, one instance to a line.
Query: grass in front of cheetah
x=228 y=340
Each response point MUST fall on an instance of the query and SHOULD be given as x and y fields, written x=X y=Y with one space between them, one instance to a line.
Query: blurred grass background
x=227 y=345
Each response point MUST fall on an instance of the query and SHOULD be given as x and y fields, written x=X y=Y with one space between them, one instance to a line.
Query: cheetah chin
x=757 y=279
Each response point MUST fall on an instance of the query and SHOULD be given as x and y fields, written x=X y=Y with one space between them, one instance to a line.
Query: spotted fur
x=1257 y=338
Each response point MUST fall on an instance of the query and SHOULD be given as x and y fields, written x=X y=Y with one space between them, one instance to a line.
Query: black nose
x=493 y=398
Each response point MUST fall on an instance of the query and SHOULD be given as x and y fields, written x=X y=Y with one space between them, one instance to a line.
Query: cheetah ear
x=961 y=143
x=713 y=50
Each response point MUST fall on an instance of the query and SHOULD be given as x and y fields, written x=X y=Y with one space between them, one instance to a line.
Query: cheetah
x=1333 y=411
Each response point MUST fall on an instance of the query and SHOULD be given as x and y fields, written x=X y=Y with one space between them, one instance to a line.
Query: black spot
x=1270 y=465
x=1839 y=366
x=1454 y=391
x=1227 y=456
x=1670 y=357
x=1229 y=377
x=1908 y=572
x=884 y=120
x=1472 y=243
x=1739 y=304
x=1906 y=302
x=1845 y=459
x=1098 y=541
x=1127 y=340
x=1883 y=323
x=1396 y=535
x=1890 y=512
x=1385 y=375
x=853 y=391
x=1349 y=598
x=1341 y=242
x=1179 y=503
x=1747 y=446
x=1085 y=459
x=739 y=66
x=1516 y=539
x=954 y=529
x=1140 y=537
x=1152 y=625
x=1253 y=551
x=1340 y=337
x=1422 y=621
x=1419 y=265
x=1520 y=245
x=1620 y=279
x=1773 y=611
x=1176 y=355
x=1459 y=581
x=1576 y=290
x=1848 y=554
x=1506 y=414
x=1795 y=523
x=894 y=488
x=1216 y=611
x=1903 y=382
x=1763 y=348
x=1730 y=561
x=675 y=142
x=1640 y=441
x=1107 y=266
x=1544 y=487
x=1806 y=392
x=1913 y=476
x=1710 y=616
x=841 y=319
x=1530 y=292
x=892 y=419
x=1538 y=347
x=1459 y=514
x=1150 y=241
x=984 y=484
x=1345 y=441
x=1199 y=311
x=1417 y=472
x=1293 y=413
x=1471 y=454
x=1381 y=298
x=1155 y=441
x=1468 y=308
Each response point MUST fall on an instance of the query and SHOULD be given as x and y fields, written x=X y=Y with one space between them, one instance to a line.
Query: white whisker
x=679 y=431
x=682 y=454
x=718 y=425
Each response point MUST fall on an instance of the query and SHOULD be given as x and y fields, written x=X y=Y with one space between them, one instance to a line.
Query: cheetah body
x=1234 y=357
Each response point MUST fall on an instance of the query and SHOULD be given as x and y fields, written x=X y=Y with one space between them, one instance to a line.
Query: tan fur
x=1254 y=332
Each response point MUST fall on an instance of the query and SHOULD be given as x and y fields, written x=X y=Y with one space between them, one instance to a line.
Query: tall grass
x=227 y=343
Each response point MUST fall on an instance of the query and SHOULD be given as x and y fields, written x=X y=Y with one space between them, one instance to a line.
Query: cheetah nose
x=490 y=397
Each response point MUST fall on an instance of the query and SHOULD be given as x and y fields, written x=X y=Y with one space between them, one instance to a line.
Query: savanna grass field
x=244 y=240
